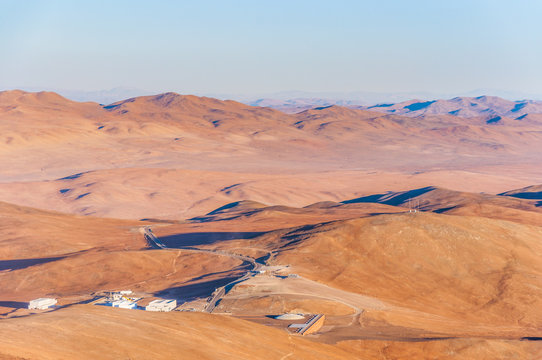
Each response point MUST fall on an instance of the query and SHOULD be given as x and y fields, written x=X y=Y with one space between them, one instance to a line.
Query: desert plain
x=416 y=229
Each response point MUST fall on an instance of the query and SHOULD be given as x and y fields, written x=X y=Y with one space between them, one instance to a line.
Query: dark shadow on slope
x=419 y=105
x=203 y=238
x=394 y=199
x=380 y=106
x=323 y=107
x=195 y=291
x=443 y=210
x=494 y=120
x=526 y=195
x=14 y=304
x=24 y=263
x=227 y=206
x=71 y=177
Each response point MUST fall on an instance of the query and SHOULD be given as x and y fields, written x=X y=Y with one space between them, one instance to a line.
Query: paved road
x=220 y=292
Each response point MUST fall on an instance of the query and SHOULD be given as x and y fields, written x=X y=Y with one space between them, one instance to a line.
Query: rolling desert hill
x=173 y=130
x=445 y=276
x=79 y=332
x=244 y=211
x=131 y=159
x=445 y=201
x=533 y=192
x=488 y=270
x=165 y=193
x=425 y=267
x=48 y=253
x=27 y=233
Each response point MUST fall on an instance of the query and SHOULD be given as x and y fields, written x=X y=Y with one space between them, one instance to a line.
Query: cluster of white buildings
x=124 y=304
x=125 y=300
x=120 y=299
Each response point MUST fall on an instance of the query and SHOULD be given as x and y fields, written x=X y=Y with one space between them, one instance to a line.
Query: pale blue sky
x=267 y=46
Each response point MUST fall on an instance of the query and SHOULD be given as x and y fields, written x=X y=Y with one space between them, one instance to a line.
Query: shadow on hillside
x=14 y=304
x=72 y=177
x=394 y=199
x=527 y=195
x=203 y=238
x=198 y=290
x=24 y=263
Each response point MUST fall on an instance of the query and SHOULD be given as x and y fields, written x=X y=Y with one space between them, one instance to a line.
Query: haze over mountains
x=465 y=107
x=485 y=106
x=293 y=101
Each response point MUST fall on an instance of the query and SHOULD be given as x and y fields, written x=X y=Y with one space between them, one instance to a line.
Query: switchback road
x=220 y=292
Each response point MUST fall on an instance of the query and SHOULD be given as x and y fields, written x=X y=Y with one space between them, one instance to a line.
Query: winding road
x=220 y=292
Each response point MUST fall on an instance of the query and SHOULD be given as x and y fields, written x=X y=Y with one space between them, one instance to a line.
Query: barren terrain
x=416 y=237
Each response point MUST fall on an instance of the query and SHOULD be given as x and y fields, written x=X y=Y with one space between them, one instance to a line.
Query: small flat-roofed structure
x=42 y=303
x=161 y=305
x=124 y=304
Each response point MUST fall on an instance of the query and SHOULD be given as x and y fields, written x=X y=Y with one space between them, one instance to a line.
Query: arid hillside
x=46 y=253
x=176 y=156
x=445 y=201
x=403 y=231
x=482 y=270
x=90 y=332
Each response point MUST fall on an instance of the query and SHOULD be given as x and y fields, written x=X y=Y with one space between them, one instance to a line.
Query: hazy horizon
x=108 y=96
x=210 y=48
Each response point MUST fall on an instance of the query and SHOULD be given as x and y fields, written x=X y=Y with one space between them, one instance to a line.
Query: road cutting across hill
x=353 y=326
x=220 y=292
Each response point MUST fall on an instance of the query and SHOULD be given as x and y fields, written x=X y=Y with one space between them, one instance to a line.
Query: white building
x=161 y=305
x=124 y=304
x=42 y=303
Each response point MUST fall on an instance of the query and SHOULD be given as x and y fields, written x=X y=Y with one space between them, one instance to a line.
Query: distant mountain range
x=294 y=101
x=491 y=107
x=70 y=151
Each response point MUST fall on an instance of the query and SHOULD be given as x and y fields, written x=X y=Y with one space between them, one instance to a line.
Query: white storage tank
x=161 y=305
x=42 y=303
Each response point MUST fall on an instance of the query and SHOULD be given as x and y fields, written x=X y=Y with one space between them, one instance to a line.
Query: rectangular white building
x=42 y=303
x=161 y=305
x=124 y=304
